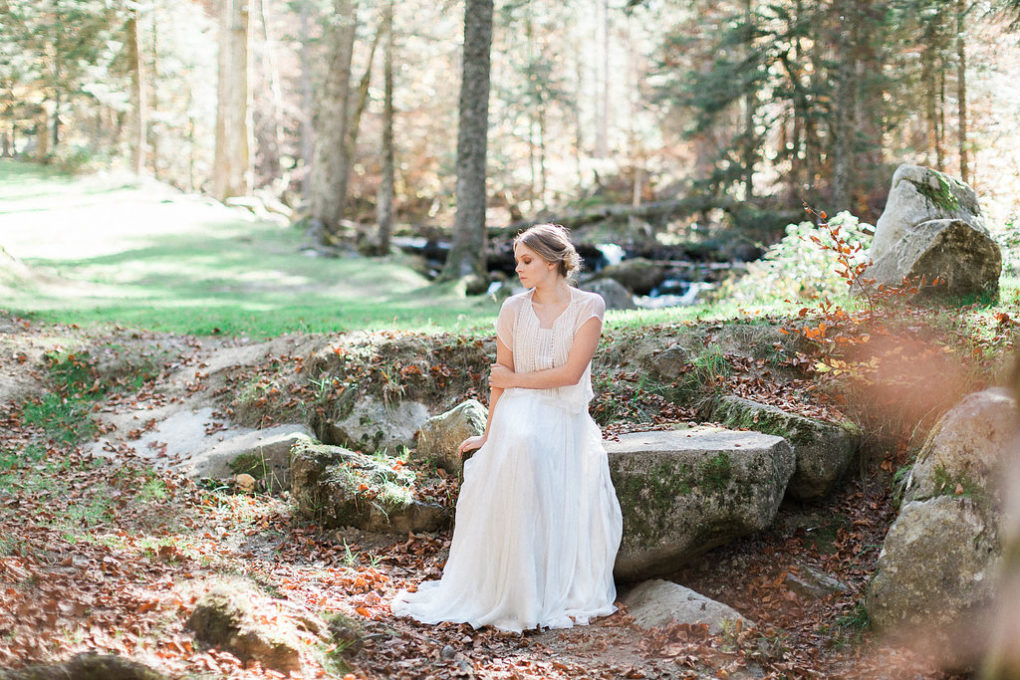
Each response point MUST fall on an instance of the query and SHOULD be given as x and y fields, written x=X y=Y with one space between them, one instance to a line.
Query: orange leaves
x=815 y=333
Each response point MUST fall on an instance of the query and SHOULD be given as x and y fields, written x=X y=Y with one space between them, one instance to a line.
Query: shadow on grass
x=138 y=254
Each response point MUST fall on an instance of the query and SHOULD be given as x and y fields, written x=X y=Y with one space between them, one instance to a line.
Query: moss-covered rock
x=966 y=451
x=684 y=492
x=823 y=450
x=373 y=425
x=87 y=666
x=224 y=618
x=337 y=487
x=937 y=568
x=939 y=563
x=440 y=436
x=920 y=194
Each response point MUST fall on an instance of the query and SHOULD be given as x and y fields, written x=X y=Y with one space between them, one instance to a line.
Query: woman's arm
x=504 y=358
x=586 y=340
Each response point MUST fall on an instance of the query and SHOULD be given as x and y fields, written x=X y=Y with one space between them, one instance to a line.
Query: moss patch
x=942 y=197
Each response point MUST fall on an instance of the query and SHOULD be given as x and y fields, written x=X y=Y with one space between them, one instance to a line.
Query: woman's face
x=532 y=269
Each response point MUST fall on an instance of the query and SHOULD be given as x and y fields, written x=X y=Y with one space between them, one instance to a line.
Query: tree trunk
x=154 y=80
x=961 y=89
x=384 y=205
x=231 y=163
x=330 y=168
x=56 y=118
x=846 y=97
x=576 y=110
x=930 y=96
x=270 y=128
x=750 y=105
x=136 y=66
x=941 y=138
x=602 y=135
x=354 y=126
x=467 y=253
x=42 y=136
x=307 y=102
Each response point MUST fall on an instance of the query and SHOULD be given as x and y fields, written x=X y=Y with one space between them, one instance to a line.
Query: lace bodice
x=536 y=348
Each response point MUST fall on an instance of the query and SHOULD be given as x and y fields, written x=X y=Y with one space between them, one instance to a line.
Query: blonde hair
x=551 y=242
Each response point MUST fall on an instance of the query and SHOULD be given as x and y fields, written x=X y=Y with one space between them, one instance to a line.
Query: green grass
x=118 y=250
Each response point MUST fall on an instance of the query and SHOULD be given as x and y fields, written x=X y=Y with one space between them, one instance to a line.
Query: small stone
x=447 y=653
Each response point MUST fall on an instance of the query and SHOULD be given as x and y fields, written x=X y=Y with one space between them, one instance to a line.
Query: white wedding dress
x=537 y=523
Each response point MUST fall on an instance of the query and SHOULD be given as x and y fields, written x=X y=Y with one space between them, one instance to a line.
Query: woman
x=537 y=524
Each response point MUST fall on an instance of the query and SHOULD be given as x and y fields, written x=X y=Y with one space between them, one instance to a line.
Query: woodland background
x=347 y=110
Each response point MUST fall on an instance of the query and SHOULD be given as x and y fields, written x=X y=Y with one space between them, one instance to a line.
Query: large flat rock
x=659 y=603
x=684 y=492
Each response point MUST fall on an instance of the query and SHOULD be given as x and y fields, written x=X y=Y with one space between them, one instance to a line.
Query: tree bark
x=846 y=96
x=961 y=89
x=384 y=205
x=136 y=65
x=270 y=127
x=750 y=105
x=231 y=162
x=602 y=134
x=331 y=165
x=307 y=102
x=354 y=126
x=153 y=145
x=467 y=254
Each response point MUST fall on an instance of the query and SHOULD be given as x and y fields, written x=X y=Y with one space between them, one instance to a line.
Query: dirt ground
x=106 y=546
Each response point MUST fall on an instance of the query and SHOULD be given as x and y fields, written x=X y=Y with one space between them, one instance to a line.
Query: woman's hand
x=500 y=376
x=471 y=443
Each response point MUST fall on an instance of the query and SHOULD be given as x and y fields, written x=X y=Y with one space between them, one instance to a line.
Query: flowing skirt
x=537 y=526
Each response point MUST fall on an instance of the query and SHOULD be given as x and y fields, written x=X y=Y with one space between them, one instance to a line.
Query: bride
x=537 y=521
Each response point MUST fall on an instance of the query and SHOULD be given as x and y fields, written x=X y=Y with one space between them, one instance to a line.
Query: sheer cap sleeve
x=593 y=306
x=506 y=321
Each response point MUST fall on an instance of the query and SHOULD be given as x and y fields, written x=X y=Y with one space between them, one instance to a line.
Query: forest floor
x=110 y=550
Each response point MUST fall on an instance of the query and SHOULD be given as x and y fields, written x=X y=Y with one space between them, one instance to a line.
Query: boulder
x=919 y=195
x=613 y=292
x=263 y=454
x=967 y=450
x=937 y=568
x=338 y=488
x=962 y=258
x=939 y=564
x=226 y=618
x=86 y=666
x=658 y=603
x=375 y=426
x=823 y=450
x=684 y=492
x=440 y=436
x=813 y=583
x=667 y=364
x=638 y=275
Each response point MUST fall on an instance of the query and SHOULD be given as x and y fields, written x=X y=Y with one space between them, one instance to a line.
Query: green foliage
x=67 y=420
x=796 y=269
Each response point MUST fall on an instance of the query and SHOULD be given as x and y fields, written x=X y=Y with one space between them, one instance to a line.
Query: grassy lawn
x=110 y=248
x=115 y=249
